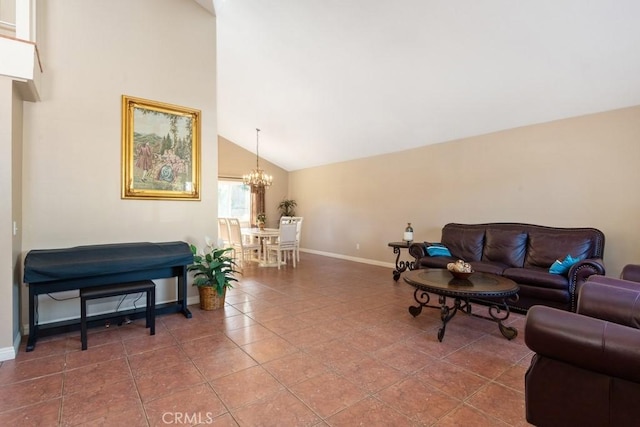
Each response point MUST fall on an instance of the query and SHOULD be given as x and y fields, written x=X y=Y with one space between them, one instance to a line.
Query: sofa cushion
x=530 y=295
x=544 y=248
x=464 y=243
x=505 y=247
x=538 y=277
x=488 y=267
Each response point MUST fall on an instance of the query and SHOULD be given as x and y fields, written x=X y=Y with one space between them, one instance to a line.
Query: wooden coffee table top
x=441 y=282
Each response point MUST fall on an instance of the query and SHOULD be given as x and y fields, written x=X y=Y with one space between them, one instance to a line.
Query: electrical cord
x=120 y=302
x=61 y=299
x=134 y=301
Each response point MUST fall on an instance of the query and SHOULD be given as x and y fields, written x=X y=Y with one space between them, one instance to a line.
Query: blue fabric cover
x=438 y=251
x=562 y=267
x=95 y=260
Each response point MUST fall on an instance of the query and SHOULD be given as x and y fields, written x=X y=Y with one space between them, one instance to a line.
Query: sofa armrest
x=585 y=342
x=582 y=270
x=578 y=275
x=631 y=272
x=614 y=302
x=418 y=251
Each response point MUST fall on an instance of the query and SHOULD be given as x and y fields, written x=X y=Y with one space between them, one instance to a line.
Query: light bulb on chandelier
x=257 y=177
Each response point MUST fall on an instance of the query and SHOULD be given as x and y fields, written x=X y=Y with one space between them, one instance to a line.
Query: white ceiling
x=334 y=80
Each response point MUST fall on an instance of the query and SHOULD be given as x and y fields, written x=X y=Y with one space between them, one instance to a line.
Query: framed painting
x=160 y=150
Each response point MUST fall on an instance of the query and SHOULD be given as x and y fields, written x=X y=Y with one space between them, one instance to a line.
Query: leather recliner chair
x=586 y=370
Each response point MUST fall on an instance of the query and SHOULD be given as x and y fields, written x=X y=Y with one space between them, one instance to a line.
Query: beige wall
x=234 y=161
x=92 y=54
x=6 y=257
x=10 y=211
x=8 y=14
x=16 y=209
x=576 y=172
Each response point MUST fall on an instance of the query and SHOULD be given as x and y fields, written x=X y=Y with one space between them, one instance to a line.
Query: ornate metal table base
x=401 y=265
x=498 y=312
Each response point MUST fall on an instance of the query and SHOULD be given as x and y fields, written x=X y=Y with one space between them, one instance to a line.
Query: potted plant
x=261 y=219
x=287 y=207
x=214 y=273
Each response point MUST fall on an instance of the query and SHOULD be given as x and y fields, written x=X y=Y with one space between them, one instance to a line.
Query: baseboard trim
x=9 y=353
x=350 y=258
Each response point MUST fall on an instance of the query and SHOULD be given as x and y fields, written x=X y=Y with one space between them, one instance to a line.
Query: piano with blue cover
x=56 y=270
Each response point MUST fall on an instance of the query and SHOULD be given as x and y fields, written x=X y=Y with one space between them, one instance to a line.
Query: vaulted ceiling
x=334 y=80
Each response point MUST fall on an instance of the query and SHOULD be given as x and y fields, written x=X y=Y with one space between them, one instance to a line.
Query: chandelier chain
x=257 y=147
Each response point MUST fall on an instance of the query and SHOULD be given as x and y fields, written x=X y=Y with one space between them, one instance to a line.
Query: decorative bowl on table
x=460 y=269
x=461 y=275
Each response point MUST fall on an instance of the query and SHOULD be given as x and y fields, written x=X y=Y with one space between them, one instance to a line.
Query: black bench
x=146 y=286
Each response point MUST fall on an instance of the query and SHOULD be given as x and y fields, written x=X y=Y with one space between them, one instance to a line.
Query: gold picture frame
x=160 y=150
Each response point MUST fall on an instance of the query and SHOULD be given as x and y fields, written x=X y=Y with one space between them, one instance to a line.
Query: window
x=234 y=200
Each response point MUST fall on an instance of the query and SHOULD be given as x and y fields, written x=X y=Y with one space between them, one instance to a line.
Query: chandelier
x=257 y=177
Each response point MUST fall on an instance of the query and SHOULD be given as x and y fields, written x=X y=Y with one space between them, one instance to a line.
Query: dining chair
x=244 y=251
x=285 y=219
x=297 y=220
x=223 y=232
x=292 y=220
x=286 y=244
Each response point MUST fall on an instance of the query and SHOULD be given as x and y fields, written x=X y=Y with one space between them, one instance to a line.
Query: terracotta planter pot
x=209 y=298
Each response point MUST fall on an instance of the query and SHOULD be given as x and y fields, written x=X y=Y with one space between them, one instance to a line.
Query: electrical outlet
x=357 y=246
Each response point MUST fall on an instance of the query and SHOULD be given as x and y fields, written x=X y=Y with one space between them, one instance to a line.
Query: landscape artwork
x=160 y=150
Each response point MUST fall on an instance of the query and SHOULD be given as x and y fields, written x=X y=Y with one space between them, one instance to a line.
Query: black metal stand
x=401 y=265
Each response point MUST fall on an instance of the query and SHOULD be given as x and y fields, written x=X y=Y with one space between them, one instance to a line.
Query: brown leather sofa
x=523 y=253
x=586 y=370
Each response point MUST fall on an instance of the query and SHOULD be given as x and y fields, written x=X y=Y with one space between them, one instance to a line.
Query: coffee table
x=479 y=287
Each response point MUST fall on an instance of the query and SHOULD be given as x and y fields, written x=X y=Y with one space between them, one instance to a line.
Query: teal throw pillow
x=438 y=251
x=562 y=267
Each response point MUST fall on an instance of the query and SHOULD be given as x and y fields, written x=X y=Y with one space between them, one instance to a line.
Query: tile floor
x=330 y=343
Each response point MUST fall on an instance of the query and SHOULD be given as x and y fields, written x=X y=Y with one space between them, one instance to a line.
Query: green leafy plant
x=213 y=268
x=287 y=207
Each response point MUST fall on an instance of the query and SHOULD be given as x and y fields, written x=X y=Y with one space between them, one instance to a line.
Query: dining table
x=265 y=235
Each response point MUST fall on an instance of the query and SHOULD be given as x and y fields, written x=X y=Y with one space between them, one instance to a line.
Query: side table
x=401 y=265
